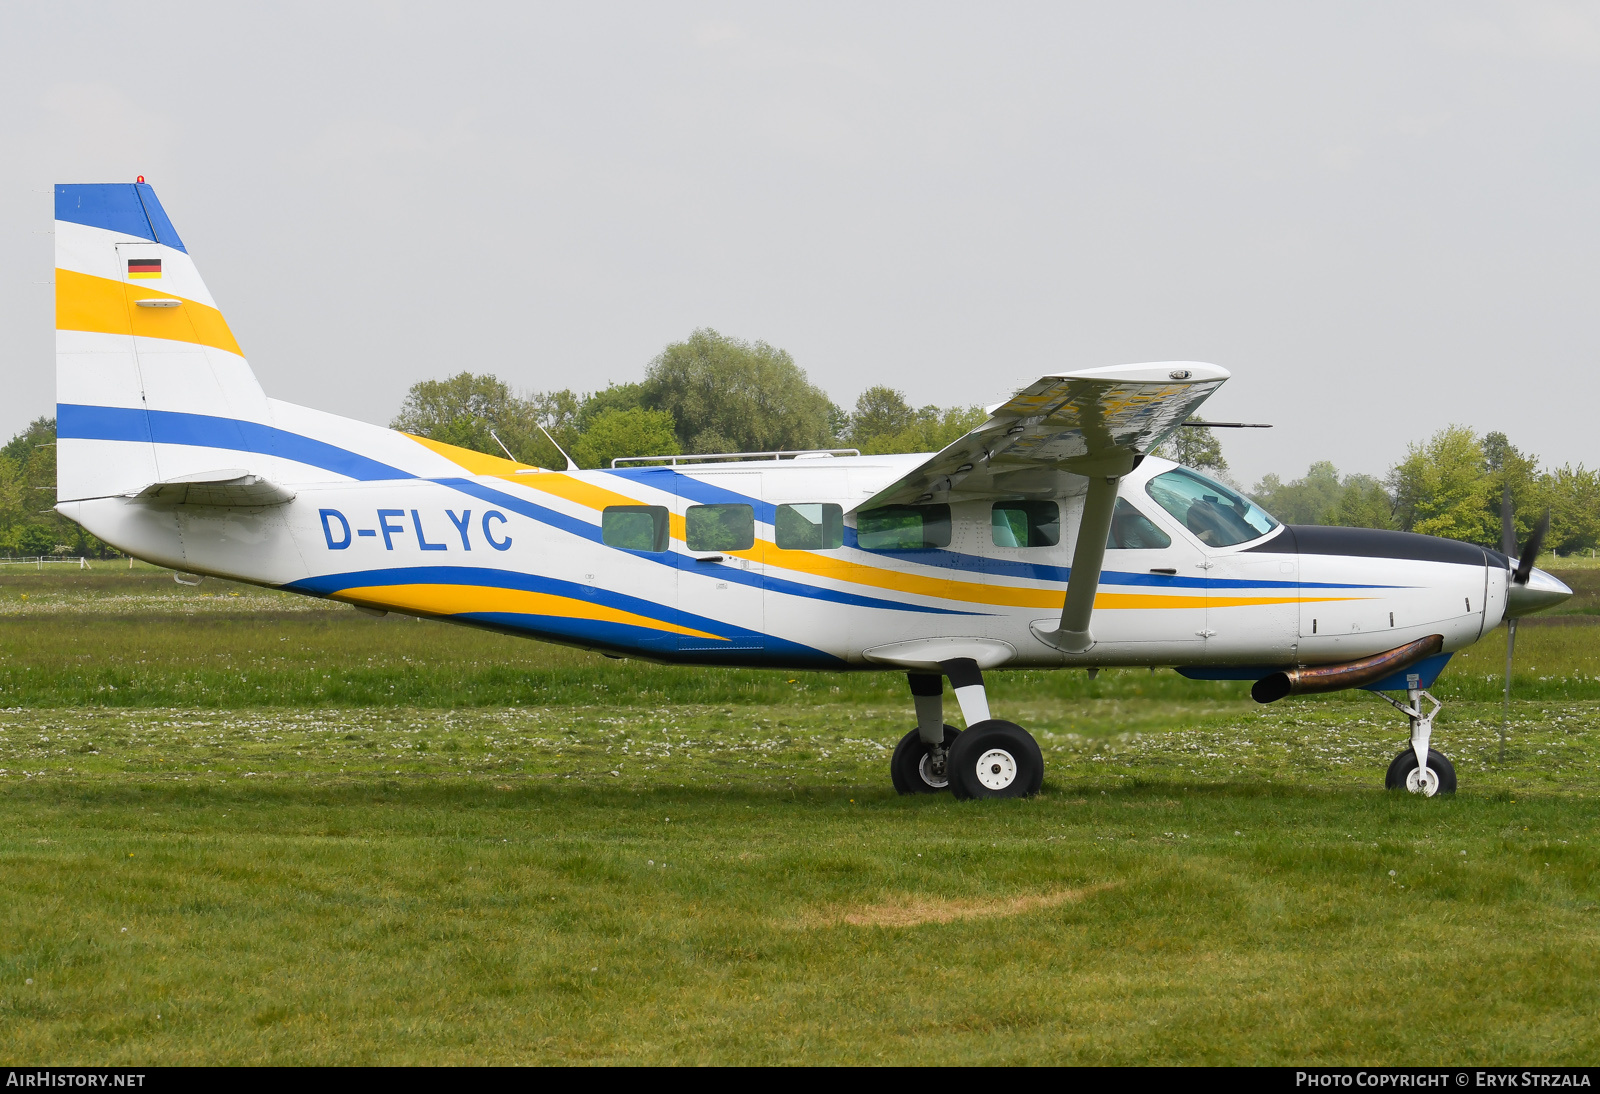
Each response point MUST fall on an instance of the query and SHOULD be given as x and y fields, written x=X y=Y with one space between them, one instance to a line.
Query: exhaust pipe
x=1347 y=674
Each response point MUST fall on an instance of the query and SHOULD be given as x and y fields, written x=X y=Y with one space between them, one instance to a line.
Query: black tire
x=1014 y=765
x=908 y=768
x=1405 y=763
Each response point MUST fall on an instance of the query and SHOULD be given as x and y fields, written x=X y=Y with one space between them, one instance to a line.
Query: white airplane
x=1047 y=537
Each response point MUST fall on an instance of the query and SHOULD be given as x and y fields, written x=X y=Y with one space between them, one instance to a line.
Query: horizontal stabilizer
x=231 y=489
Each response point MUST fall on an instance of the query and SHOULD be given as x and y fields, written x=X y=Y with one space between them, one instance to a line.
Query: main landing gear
x=990 y=759
x=1410 y=771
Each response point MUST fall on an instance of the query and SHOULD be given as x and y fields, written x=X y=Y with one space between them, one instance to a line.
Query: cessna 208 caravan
x=1047 y=537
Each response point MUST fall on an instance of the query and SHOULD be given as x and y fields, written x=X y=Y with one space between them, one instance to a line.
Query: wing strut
x=1072 y=636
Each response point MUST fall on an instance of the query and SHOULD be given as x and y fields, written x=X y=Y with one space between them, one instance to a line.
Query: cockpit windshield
x=1217 y=516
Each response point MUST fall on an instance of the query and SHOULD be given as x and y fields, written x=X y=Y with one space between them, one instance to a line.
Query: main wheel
x=995 y=759
x=1440 y=777
x=914 y=769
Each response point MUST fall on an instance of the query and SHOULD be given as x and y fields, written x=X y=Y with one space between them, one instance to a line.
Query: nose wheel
x=1439 y=777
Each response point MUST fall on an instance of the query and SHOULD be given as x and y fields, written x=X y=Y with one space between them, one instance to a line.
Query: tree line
x=712 y=393
x=1452 y=485
x=708 y=393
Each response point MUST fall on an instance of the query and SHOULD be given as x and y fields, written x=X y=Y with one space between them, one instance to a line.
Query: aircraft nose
x=1542 y=591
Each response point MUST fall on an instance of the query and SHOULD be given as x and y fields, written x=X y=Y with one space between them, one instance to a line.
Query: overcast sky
x=1381 y=217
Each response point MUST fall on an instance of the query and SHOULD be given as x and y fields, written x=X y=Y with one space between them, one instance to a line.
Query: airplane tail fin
x=150 y=385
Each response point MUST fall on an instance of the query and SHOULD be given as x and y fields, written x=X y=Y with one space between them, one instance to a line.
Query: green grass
x=524 y=854
x=1565 y=563
x=267 y=658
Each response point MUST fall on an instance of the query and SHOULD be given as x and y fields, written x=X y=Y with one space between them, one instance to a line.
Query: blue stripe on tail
x=130 y=208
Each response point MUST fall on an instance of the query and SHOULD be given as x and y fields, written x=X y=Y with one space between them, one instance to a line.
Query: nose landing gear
x=1419 y=769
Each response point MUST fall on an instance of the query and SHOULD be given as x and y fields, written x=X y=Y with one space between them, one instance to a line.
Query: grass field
x=240 y=831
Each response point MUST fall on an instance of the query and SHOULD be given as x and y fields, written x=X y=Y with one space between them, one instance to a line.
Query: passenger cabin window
x=1217 y=516
x=635 y=527
x=1025 y=524
x=1131 y=530
x=809 y=527
x=903 y=528
x=719 y=527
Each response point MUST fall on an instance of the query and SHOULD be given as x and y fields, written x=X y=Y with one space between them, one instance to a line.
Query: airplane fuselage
x=527 y=552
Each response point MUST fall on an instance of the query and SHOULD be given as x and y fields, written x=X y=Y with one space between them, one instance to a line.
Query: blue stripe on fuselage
x=81 y=422
x=772 y=653
x=709 y=493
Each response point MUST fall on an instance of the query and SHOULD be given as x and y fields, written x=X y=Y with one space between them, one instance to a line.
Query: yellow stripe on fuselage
x=594 y=497
x=102 y=306
x=470 y=460
x=1009 y=596
x=833 y=568
x=462 y=599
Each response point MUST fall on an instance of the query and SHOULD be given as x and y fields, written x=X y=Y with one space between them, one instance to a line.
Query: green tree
x=1442 y=488
x=29 y=524
x=1194 y=446
x=1363 y=503
x=465 y=408
x=634 y=431
x=1322 y=497
x=728 y=395
x=1509 y=468
x=1573 y=495
x=614 y=397
x=884 y=422
x=1306 y=500
x=880 y=412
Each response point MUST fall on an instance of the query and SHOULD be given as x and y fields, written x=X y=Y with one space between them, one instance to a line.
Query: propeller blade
x=1508 y=527
x=1530 y=550
x=1505 y=720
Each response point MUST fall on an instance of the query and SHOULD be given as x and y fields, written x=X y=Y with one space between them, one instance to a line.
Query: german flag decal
x=144 y=268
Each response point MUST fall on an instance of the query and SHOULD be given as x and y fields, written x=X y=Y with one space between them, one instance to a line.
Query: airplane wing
x=1097 y=423
x=1076 y=422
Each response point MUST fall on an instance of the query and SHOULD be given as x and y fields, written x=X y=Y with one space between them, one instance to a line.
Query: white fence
x=41 y=561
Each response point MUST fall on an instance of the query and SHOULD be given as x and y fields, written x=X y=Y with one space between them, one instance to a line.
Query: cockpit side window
x=1217 y=516
x=1131 y=530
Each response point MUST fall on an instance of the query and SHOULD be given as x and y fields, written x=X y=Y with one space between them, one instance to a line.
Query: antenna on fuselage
x=571 y=465
x=503 y=447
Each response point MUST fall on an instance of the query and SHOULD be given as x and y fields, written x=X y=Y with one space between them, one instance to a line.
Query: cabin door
x=1151 y=607
x=720 y=575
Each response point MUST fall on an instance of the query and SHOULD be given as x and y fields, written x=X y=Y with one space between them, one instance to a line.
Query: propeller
x=1530 y=550
x=1519 y=576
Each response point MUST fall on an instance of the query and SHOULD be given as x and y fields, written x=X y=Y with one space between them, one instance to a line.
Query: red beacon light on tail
x=139 y=179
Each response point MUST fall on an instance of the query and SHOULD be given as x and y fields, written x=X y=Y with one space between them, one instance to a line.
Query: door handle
x=1162 y=570
x=710 y=558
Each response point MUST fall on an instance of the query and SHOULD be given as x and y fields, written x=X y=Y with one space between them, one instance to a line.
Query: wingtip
x=1184 y=372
